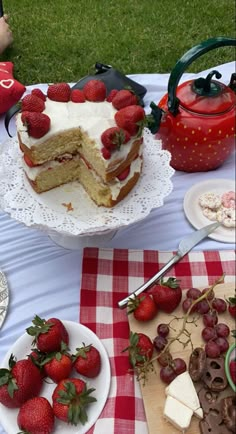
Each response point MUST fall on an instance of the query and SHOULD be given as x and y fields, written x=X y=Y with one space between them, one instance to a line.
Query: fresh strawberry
x=37 y=357
x=140 y=349
x=59 y=92
x=106 y=153
x=32 y=103
x=131 y=119
x=114 y=137
x=39 y=94
x=48 y=334
x=124 y=98
x=77 y=95
x=28 y=161
x=232 y=306
x=70 y=400
x=111 y=95
x=123 y=175
x=143 y=307
x=95 y=90
x=58 y=365
x=36 y=416
x=38 y=124
x=87 y=361
x=167 y=295
x=232 y=369
x=19 y=383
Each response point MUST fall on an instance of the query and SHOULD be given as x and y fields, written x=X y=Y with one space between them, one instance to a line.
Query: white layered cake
x=81 y=141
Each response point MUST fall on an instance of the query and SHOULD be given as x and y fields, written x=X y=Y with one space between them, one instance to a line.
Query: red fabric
x=108 y=275
x=10 y=89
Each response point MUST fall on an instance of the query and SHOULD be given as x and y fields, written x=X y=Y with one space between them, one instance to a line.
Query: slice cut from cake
x=91 y=140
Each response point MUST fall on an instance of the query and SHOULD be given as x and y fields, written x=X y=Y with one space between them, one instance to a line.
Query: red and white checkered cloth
x=109 y=275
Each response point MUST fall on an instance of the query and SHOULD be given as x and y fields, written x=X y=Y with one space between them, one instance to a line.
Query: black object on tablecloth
x=112 y=78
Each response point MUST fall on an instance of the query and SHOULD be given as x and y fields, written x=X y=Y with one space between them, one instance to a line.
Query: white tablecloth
x=44 y=278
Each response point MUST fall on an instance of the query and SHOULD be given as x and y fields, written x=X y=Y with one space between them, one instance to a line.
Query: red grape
x=179 y=366
x=208 y=333
x=159 y=343
x=212 y=349
x=163 y=330
x=193 y=293
x=210 y=295
x=219 y=305
x=210 y=319
x=222 y=330
x=167 y=374
x=186 y=305
x=165 y=358
x=203 y=307
x=223 y=344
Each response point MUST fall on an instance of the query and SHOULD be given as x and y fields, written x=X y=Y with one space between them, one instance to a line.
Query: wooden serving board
x=153 y=391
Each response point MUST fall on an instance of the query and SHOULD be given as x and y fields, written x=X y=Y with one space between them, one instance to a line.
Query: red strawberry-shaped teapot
x=197 y=118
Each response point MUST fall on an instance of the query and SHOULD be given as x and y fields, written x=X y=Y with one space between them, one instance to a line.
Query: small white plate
x=194 y=213
x=4 y=297
x=77 y=334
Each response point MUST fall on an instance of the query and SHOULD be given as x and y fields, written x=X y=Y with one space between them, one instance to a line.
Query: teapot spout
x=154 y=118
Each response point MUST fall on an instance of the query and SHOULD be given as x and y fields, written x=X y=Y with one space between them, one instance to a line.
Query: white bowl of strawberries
x=56 y=376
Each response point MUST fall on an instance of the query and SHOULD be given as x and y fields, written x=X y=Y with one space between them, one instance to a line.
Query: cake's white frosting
x=92 y=117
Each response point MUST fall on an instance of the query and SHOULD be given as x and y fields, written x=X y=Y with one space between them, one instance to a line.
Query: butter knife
x=185 y=246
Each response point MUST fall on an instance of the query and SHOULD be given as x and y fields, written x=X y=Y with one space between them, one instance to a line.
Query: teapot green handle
x=186 y=60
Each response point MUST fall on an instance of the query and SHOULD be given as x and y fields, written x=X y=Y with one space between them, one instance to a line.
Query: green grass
x=60 y=40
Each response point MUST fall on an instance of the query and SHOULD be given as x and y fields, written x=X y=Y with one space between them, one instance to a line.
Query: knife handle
x=150 y=282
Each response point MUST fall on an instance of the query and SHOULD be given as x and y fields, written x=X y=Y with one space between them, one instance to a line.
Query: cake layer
x=111 y=193
x=53 y=174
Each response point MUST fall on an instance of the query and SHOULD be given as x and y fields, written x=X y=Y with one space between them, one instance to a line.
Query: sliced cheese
x=182 y=389
x=199 y=413
x=177 y=414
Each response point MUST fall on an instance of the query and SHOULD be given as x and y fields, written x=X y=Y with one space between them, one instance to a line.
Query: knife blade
x=185 y=245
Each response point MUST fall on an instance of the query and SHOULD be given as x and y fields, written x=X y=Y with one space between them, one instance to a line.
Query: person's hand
x=6 y=36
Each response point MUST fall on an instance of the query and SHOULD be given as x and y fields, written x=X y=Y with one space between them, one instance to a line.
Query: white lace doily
x=45 y=211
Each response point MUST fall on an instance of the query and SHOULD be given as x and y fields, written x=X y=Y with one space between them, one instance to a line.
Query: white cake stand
x=82 y=223
x=75 y=242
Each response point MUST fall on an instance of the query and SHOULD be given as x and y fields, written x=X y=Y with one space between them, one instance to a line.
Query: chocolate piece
x=219 y=414
x=197 y=364
x=214 y=376
x=209 y=425
x=210 y=401
x=228 y=409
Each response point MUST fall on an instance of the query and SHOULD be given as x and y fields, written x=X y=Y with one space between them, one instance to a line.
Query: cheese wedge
x=183 y=390
x=199 y=413
x=178 y=414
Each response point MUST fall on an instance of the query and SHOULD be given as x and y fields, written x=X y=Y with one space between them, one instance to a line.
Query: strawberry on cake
x=82 y=135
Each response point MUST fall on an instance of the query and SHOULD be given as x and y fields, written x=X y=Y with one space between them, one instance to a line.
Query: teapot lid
x=206 y=96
